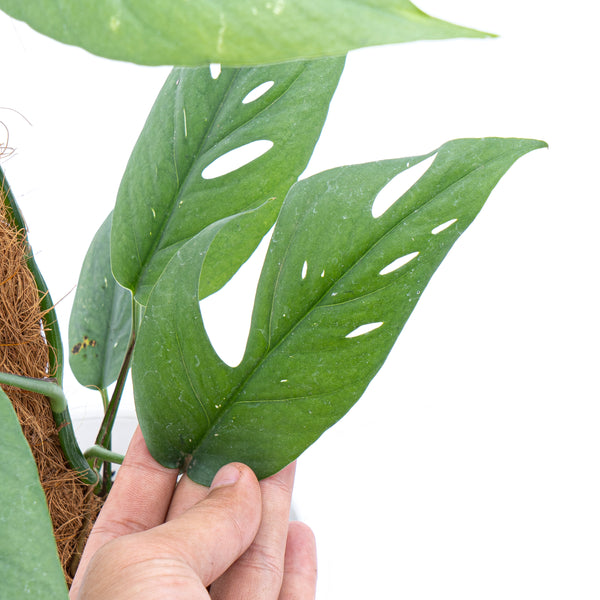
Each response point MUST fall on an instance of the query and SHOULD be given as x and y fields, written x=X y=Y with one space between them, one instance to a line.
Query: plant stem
x=103 y=439
x=105 y=399
x=113 y=406
x=106 y=466
x=46 y=387
x=62 y=418
x=108 y=456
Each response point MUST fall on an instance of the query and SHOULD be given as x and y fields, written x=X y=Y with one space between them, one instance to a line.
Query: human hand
x=156 y=538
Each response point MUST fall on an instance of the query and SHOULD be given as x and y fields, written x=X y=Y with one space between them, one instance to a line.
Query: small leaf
x=169 y=194
x=327 y=311
x=100 y=325
x=29 y=565
x=235 y=32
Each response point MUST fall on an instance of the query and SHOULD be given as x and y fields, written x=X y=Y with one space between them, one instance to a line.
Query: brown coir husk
x=23 y=351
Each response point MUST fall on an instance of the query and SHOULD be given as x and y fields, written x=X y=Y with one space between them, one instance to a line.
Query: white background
x=469 y=469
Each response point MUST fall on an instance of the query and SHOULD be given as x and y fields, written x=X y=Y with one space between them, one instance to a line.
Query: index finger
x=258 y=573
x=138 y=500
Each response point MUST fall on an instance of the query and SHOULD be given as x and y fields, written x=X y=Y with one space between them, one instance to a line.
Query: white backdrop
x=469 y=469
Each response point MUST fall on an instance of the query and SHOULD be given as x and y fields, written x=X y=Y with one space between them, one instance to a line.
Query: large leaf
x=332 y=299
x=29 y=565
x=100 y=324
x=166 y=196
x=236 y=32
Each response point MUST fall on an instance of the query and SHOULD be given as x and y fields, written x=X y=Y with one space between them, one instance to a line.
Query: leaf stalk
x=107 y=456
x=62 y=418
x=104 y=433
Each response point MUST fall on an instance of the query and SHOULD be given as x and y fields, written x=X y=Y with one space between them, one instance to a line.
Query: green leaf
x=331 y=269
x=167 y=196
x=100 y=325
x=234 y=33
x=29 y=565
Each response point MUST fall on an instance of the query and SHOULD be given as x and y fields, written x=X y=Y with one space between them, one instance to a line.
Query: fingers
x=214 y=533
x=179 y=559
x=296 y=573
x=187 y=493
x=300 y=572
x=139 y=500
x=258 y=574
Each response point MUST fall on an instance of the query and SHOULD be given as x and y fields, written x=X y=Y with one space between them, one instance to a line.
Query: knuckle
x=264 y=561
x=120 y=525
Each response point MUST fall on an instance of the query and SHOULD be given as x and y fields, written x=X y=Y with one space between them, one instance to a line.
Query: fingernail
x=227 y=475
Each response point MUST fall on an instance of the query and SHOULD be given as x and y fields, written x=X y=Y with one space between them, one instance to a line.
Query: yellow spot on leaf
x=114 y=24
x=87 y=343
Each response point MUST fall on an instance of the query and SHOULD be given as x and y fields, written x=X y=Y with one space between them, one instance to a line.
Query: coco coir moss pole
x=30 y=348
x=46 y=387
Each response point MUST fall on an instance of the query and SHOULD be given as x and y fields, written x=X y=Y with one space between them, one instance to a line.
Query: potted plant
x=185 y=220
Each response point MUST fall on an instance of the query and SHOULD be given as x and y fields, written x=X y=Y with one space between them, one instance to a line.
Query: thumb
x=214 y=533
x=196 y=547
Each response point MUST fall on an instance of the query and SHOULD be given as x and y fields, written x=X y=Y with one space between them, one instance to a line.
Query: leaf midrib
x=181 y=188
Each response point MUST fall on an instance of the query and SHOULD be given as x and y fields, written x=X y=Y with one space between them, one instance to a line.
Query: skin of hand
x=157 y=538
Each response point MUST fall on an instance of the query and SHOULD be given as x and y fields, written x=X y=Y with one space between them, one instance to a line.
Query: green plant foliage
x=234 y=33
x=29 y=565
x=326 y=315
x=100 y=325
x=167 y=196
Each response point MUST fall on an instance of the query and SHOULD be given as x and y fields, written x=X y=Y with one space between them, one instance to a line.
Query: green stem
x=113 y=406
x=104 y=454
x=46 y=387
x=62 y=418
x=103 y=439
x=105 y=399
x=106 y=466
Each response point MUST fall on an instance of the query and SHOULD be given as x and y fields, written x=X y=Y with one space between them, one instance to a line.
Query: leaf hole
x=228 y=312
x=398 y=263
x=364 y=329
x=258 y=91
x=236 y=159
x=443 y=226
x=398 y=186
x=215 y=70
x=304 y=270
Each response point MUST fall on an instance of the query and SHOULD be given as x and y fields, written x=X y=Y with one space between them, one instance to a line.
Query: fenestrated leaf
x=100 y=325
x=235 y=32
x=166 y=197
x=336 y=289
x=29 y=565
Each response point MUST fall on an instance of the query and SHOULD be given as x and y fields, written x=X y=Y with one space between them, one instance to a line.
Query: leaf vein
x=189 y=378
